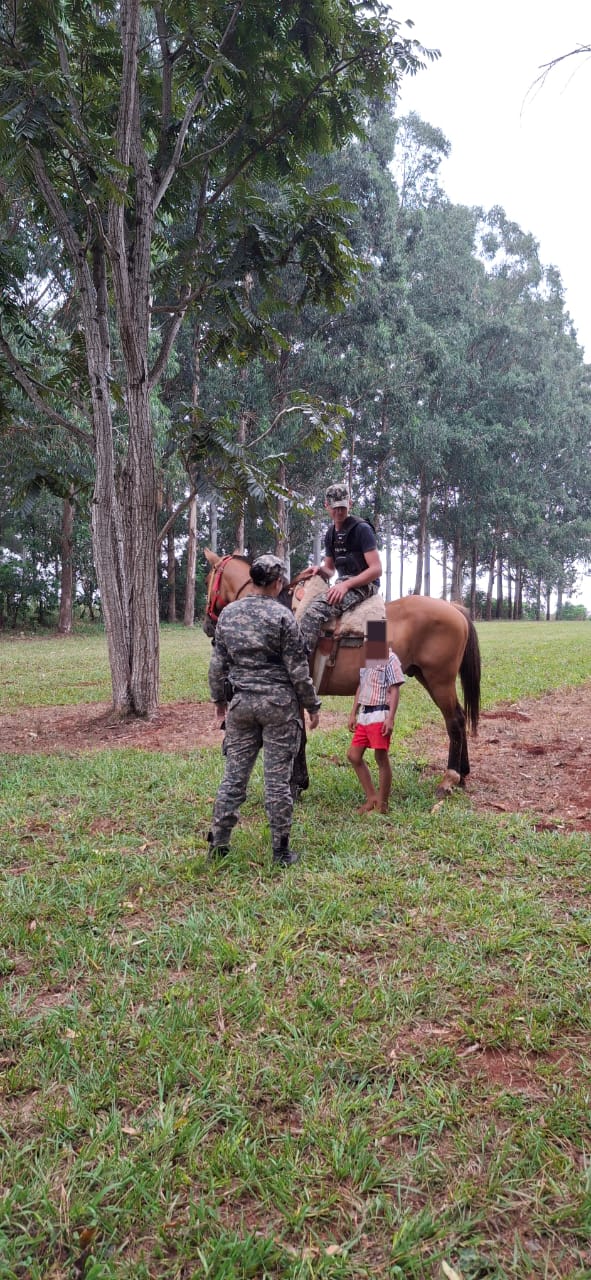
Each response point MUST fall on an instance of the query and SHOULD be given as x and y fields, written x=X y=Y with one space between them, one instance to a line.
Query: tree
x=138 y=139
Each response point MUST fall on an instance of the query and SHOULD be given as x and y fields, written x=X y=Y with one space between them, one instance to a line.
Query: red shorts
x=370 y=735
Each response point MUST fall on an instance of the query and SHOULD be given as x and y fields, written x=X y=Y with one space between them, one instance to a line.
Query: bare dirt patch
x=179 y=727
x=532 y=756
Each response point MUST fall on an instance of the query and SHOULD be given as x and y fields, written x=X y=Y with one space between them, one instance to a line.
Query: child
x=372 y=719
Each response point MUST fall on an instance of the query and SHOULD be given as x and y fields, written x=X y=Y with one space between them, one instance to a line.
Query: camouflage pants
x=254 y=721
x=320 y=611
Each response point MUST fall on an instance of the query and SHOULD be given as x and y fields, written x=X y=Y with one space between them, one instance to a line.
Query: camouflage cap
x=337 y=495
x=266 y=569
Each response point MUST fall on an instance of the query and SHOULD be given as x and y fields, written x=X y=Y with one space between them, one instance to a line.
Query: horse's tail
x=470 y=672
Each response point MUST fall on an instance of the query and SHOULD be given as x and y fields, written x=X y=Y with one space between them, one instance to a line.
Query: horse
x=436 y=641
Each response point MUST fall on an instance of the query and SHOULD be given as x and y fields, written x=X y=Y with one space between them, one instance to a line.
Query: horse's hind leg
x=458 y=743
x=458 y=766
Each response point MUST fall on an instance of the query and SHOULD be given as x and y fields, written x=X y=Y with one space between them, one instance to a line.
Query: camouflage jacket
x=258 y=647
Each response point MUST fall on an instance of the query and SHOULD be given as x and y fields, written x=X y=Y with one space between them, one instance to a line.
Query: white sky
x=525 y=149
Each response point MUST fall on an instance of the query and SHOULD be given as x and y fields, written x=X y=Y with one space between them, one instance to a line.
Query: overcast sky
x=524 y=148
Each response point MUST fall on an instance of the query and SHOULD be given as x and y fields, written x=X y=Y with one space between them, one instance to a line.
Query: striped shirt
x=374 y=685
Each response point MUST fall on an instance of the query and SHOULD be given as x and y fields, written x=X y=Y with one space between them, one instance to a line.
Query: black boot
x=216 y=851
x=283 y=856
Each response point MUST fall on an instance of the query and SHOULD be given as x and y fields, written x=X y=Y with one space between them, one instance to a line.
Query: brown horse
x=435 y=641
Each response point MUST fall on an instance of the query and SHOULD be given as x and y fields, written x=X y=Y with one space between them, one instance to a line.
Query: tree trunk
x=189 y=613
x=539 y=597
x=402 y=545
x=519 y=593
x=213 y=525
x=444 y=552
x=491 y=582
x=282 y=537
x=189 y=609
x=282 y=547
x=239 y=534
x=427 y=566
x=171 y=575
x=499 y=604
x=509 y=593
x=318 y=549
x=424 y=507
x=559 y=599
x=388 y=538
x=64 y=625
x=139 y=481
x=473 y=576
x=457 y=571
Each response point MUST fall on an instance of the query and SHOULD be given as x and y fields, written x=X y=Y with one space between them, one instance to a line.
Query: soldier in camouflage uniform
x=258 y=648
x=350 y=550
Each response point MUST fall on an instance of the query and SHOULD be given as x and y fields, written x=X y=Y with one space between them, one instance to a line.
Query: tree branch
x=30 y=387
x=176 y=513
x=190 y=112
x=187 y=296
x=282 y=128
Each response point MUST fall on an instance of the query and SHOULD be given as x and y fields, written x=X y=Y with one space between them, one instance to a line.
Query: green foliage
x=573 y=612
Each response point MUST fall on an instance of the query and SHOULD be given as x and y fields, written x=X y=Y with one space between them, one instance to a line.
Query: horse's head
x=228 y=578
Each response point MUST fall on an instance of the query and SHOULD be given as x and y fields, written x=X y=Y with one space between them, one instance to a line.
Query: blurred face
x=338 y=514
x=375 y=649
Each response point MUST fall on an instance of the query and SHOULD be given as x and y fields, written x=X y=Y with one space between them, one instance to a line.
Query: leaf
x=450 y=1272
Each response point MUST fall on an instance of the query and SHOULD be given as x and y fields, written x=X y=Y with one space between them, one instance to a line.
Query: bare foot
x=368 y=806
x=381 y=808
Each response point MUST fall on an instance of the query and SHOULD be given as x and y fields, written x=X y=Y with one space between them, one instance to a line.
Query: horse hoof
x=450 y=780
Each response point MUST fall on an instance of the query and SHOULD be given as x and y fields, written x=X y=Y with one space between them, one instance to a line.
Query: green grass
x=369 y=1065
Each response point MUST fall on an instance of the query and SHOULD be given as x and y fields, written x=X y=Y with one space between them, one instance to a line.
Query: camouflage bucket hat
x=337 y=495
x=266 y=569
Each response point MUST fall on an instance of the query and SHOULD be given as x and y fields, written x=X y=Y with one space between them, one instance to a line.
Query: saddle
x=348 y=630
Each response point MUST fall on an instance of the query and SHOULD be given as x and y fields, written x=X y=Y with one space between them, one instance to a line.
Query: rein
x=216 y=602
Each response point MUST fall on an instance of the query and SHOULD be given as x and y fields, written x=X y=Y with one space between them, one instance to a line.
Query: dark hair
x=264 y=575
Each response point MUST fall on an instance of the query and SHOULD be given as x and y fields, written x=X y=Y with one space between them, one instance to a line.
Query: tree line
x=228 y=274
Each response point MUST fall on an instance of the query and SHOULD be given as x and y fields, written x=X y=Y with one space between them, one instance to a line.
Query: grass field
x=376 y=1064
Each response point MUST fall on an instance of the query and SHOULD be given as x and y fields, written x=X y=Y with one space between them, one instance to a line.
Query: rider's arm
x=328 y=566
x=373 y=571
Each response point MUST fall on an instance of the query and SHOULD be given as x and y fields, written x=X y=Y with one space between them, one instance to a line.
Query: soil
x=534 y=755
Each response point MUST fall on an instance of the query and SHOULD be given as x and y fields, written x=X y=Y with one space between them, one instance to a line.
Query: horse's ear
x=211 y=557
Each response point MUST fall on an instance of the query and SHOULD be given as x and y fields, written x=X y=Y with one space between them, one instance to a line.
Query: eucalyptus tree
x=123 y=123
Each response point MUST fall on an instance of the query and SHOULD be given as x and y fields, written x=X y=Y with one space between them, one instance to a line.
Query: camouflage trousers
x=254 y=721
x=320 y=611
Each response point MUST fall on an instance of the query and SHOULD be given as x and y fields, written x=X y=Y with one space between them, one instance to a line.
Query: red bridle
x=215 y=600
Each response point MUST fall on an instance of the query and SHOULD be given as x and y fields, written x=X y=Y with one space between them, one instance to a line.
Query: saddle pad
x=354 y=621
x=305 y=592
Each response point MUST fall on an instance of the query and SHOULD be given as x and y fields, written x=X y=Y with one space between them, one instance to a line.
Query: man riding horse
x=350 y=550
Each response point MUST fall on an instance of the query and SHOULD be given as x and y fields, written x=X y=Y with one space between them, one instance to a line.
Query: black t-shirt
x=347 y=546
